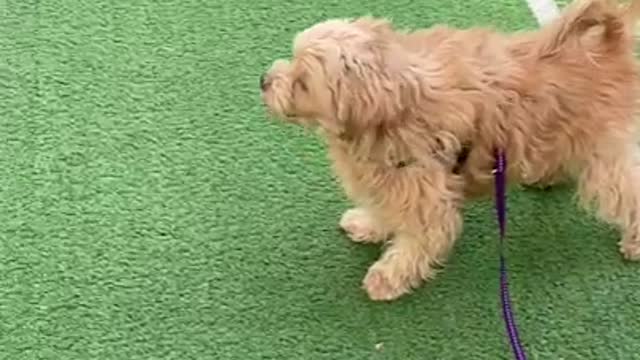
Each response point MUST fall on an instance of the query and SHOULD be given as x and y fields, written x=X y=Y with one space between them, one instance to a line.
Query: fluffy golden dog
x=412 y=118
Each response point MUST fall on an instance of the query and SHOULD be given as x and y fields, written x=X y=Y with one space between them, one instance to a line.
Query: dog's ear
x=368 y=91
x=362 y=64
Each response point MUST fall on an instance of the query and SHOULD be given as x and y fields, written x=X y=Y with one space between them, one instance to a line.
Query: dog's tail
x=595 y=25
x=632 y=13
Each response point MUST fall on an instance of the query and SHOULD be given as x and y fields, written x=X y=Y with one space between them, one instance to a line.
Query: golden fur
x=395 y=108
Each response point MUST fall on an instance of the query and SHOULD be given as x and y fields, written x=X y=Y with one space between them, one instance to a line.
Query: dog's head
x=344 y=77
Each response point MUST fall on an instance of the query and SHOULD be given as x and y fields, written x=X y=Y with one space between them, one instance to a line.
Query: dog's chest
x=361 y=178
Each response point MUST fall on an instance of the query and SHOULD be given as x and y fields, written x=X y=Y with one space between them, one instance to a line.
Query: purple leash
x=501 y=210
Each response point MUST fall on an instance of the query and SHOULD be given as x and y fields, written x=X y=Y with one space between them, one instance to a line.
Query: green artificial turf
x=150 y=210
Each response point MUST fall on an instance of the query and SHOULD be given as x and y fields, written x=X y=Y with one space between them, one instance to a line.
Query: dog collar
x=461 y=160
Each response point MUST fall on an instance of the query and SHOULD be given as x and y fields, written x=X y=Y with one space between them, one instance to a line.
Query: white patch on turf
x=543 y=10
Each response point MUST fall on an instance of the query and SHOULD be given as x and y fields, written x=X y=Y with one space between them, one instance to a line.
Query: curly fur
x=395 y=108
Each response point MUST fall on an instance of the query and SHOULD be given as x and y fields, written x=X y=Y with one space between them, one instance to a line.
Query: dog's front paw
x=360 y=226
x=382 y=283
x=630 y=245
x=630 y=250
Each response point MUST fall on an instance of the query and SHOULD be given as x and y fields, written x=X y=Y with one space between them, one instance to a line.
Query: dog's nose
x=263 y=83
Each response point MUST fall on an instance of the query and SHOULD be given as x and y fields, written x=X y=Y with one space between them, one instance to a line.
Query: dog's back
x=577 y=86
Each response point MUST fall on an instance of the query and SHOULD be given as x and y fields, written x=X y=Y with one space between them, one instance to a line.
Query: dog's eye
x=299 y=83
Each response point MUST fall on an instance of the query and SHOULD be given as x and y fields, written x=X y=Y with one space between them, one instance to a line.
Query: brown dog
x=412 y=119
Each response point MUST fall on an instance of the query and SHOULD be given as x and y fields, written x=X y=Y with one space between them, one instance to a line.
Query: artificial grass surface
x=151 y=211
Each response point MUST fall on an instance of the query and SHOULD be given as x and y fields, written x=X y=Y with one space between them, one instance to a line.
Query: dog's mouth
x=276 y=108
x=282 y=115
x=281 y=111
x=295 y=119
x=288 y=117
x=277 y=114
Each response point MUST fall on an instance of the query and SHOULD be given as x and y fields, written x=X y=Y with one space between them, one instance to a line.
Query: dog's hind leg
x=610 y=183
